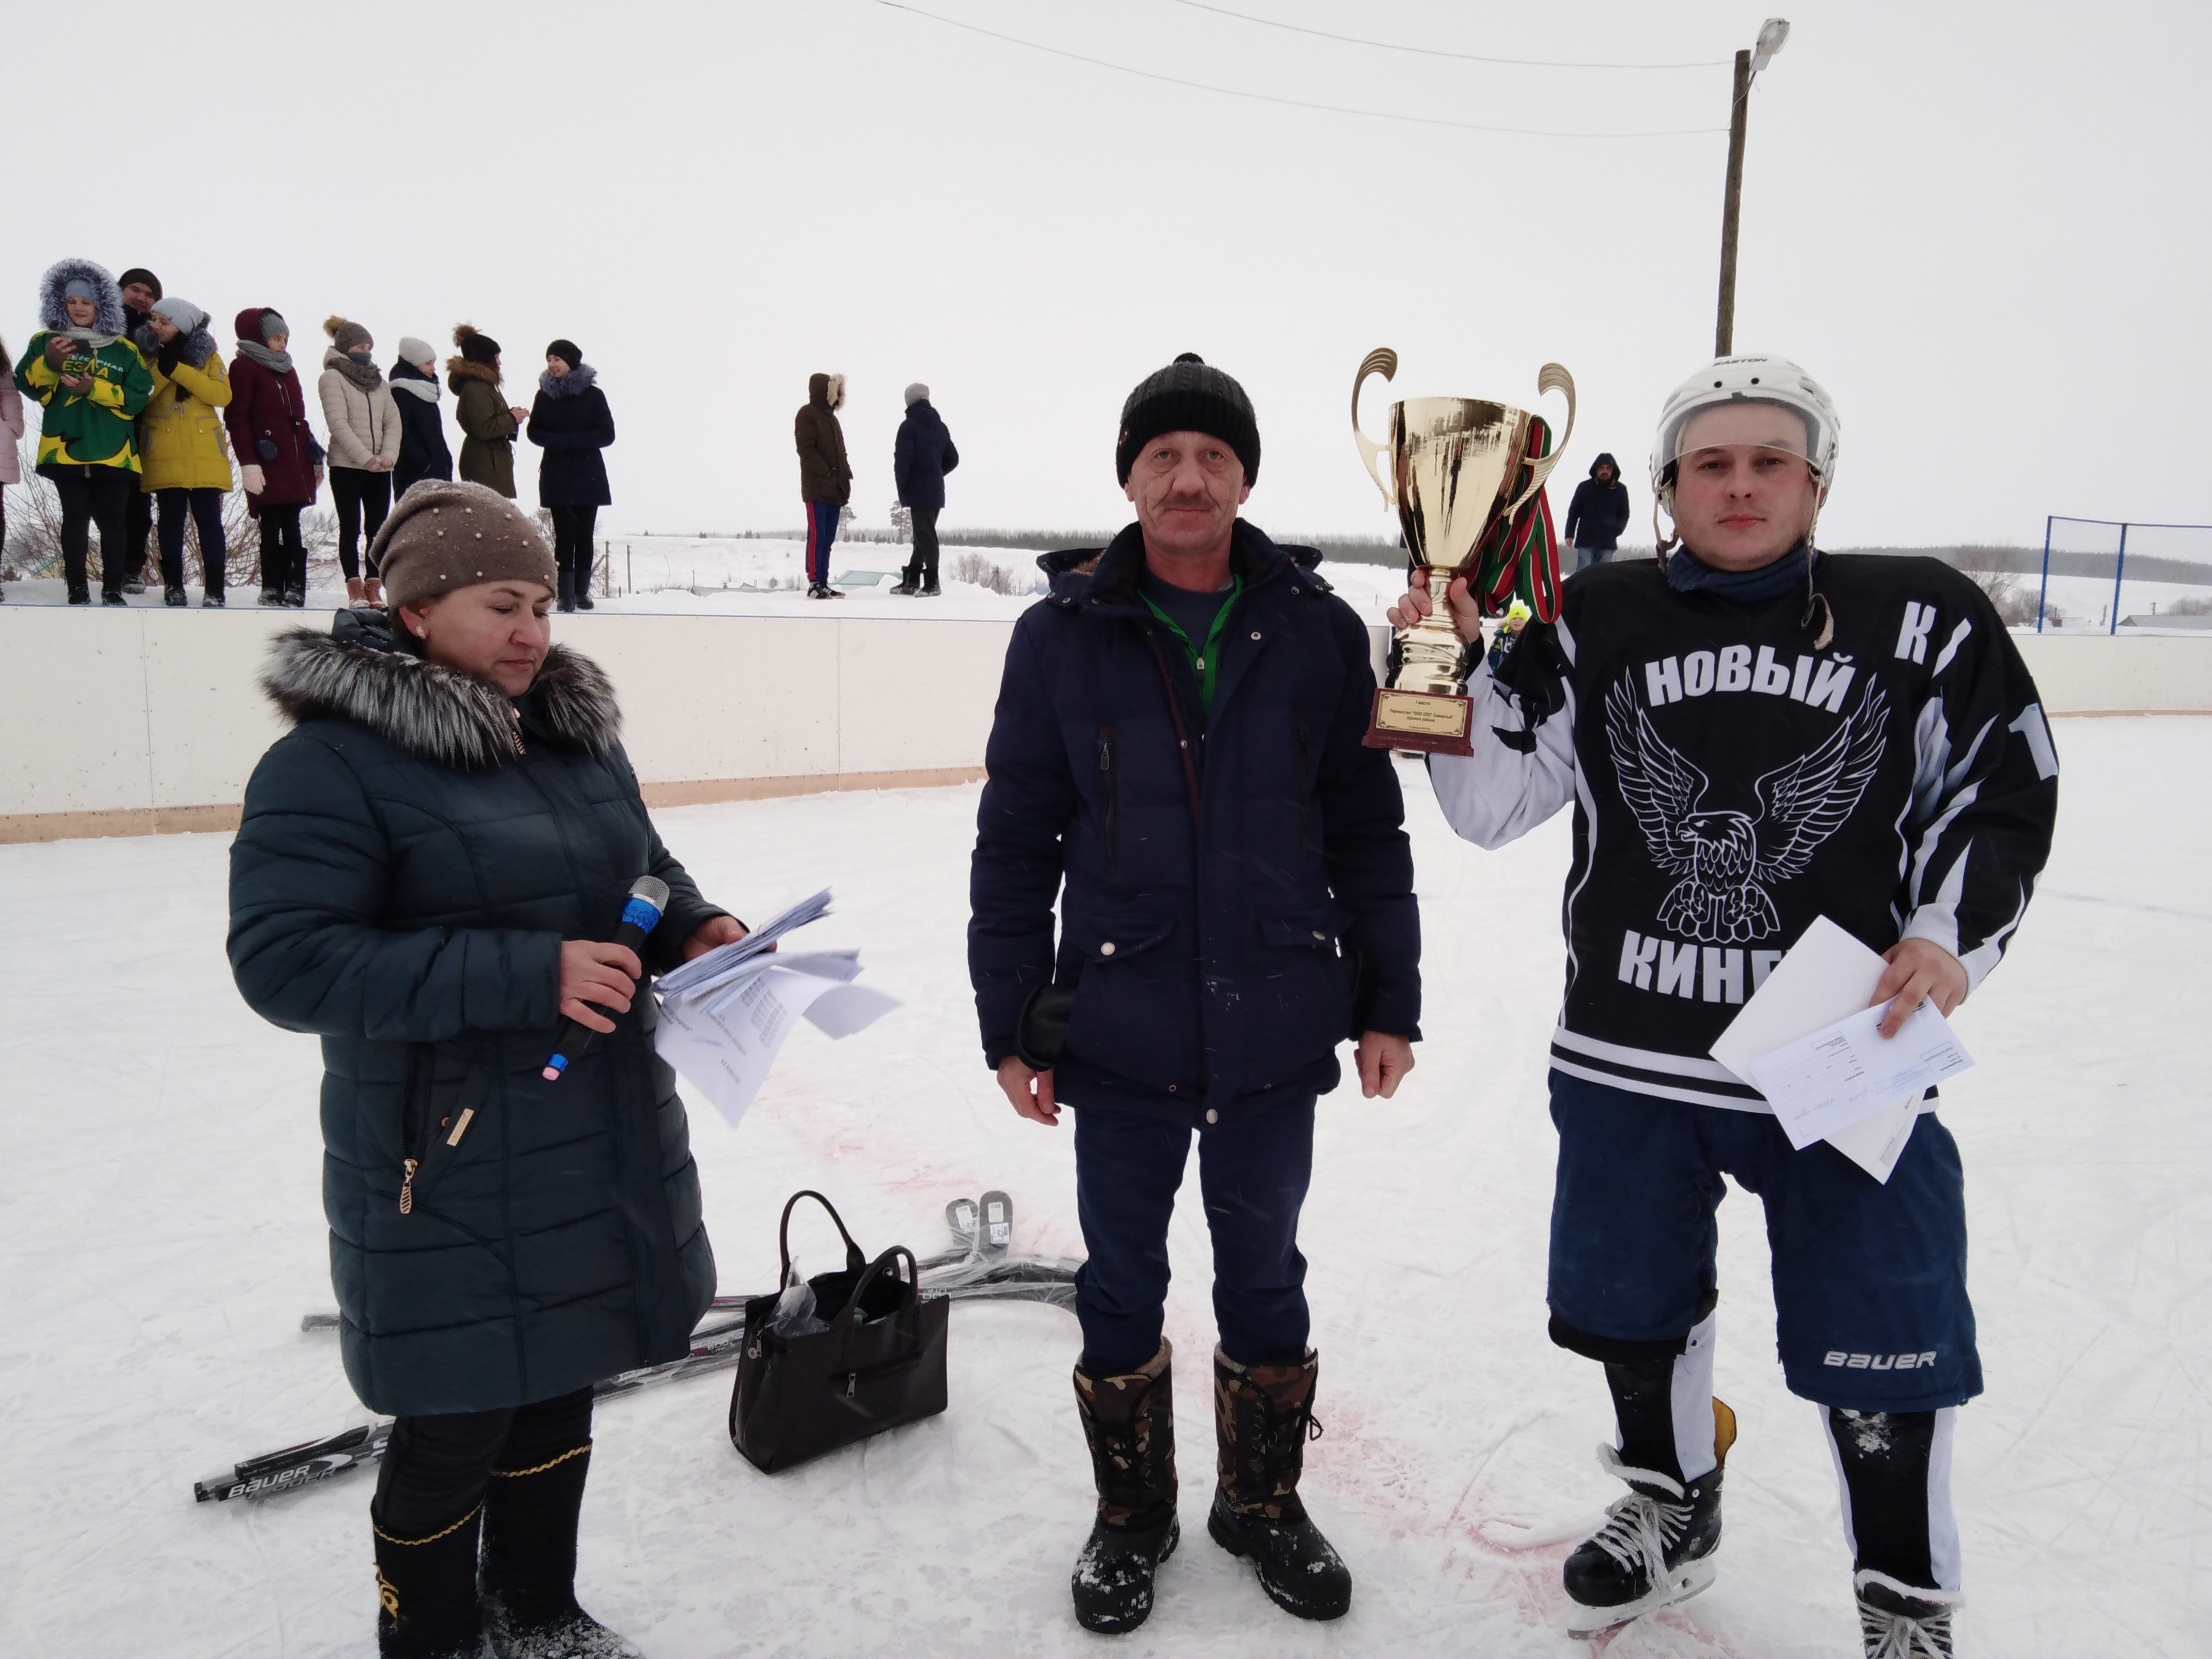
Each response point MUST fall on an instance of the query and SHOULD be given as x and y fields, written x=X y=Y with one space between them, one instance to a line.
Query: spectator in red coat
x=277 y=450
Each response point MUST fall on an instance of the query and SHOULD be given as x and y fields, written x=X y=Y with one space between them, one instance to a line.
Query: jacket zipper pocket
x=1305 y=796
x=432 y=1142
x=1110 y=785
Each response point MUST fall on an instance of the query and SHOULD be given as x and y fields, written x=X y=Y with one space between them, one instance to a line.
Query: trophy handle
x=1384 y=362
x=1551 y=378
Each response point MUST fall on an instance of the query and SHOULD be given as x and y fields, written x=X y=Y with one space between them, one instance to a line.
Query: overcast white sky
x=1983 y=226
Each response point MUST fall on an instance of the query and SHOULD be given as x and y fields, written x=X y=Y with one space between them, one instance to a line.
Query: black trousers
x=138 y=525
x=204 y=507
x=572 y=541
x=437 y=1468
x=364 y=498
x=922 y=567
x=94 y=495
x=284 y=554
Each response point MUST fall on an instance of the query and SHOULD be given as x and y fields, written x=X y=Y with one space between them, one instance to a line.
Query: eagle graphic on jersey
x=1727 y=859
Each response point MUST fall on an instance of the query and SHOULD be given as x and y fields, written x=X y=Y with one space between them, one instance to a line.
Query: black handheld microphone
x=648 y=897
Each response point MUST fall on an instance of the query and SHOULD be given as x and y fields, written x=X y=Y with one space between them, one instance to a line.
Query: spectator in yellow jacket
x=186 y=458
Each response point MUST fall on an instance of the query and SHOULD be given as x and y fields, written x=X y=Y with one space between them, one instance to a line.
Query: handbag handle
x=889 y=1258
x=855 y=1260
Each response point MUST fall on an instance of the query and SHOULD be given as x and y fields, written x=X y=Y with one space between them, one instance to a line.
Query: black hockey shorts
x=1869 y=1278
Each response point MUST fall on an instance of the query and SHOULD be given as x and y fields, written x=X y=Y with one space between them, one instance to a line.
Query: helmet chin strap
x=1815 y=599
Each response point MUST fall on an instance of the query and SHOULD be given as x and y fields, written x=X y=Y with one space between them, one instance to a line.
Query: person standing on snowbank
x=11 y=433
x=187 y=464
x=1598 y=514
x=488 y=424
x=426 y=864
x=919 y=460
x=1754 y=735
x=423 y=451
x=1176 y=760
x=140 y=289
x=279 y=456
x=90 y=383
x=364 y=425
x=825 y=477
x=570 y=421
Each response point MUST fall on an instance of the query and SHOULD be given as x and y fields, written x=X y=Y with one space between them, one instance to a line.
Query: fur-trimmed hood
x=358 y=672
x=460 y=368
x=195 y=347
x=54 y=285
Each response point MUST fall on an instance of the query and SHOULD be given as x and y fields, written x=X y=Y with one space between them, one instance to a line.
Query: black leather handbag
x=876 y=1362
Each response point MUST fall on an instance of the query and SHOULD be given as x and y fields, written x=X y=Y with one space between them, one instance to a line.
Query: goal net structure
x=2101 y=575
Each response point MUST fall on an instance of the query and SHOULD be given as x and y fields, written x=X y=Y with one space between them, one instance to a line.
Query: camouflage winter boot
x=1129 y=1422
x=1262 y=1418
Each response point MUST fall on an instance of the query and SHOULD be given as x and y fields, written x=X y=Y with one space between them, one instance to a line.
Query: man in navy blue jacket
x=919 y=460
x=1178 y=741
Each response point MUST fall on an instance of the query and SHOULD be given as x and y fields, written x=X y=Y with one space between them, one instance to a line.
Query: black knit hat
x=1188 y=395
x=567 y=351
x=140 y=274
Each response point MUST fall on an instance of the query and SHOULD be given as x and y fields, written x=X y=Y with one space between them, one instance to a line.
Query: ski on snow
x=981 y=1268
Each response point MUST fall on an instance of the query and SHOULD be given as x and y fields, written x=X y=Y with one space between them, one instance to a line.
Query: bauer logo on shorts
x=1881 y=1362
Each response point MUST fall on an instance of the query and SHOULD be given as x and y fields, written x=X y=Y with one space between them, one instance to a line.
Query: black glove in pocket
x=1041 y=1034
x=265 y=448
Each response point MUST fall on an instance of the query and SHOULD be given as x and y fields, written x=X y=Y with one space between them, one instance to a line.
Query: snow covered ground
x=748 y=576
x=161 y=1233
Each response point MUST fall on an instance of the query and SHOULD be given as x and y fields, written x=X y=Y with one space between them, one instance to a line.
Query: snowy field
x=750 y=576
x=747 y=576
x=161 y=1233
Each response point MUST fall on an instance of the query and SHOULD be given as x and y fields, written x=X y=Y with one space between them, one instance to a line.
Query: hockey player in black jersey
x=1752 y=734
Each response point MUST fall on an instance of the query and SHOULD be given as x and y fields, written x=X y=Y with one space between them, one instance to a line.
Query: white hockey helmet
x=1748 y=380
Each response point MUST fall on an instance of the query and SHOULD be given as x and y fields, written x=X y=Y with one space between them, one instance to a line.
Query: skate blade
x=1686 y=1580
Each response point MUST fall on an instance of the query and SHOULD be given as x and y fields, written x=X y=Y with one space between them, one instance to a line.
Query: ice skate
x=1655 y=1547
x=1902 y=1621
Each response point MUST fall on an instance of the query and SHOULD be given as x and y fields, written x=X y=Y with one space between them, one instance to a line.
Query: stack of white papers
x=1807 y=1041
x=724 y=1016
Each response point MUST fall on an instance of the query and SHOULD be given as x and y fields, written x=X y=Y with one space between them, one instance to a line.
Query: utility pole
x=1772 y=35
x=1731 y=208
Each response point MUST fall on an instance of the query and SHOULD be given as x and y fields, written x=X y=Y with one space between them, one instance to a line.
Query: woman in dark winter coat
x=278 y=453
x=423 y=451
x=571 y=422
x=425 y=864
x=90 y=383
x=488 y=422
x=920 y=458
x=825 y=477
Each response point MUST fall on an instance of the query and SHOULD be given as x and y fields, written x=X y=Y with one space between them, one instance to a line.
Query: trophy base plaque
x=1427 y=722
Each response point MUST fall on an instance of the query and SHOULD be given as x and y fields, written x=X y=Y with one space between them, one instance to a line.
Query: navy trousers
x=821 y=531
x=1253 y=1167
x=1869 y=1279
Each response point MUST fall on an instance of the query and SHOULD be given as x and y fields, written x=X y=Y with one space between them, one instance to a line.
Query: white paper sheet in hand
x=1848 y=1070
x=724 y=1044
x=1827 y=976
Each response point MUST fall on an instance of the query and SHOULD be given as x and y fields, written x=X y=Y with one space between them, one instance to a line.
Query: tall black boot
x=567 y=597
x=426 y=1590
x=583 y=578
x=1262 y=1416
x=530 y=1564
x=1129 y=1424
x=909 y=581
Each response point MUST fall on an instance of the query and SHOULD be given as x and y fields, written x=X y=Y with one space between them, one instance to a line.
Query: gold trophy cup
x=1453 y=465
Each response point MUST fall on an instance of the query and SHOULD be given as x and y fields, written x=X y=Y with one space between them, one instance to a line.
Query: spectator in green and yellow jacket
x=90 y=382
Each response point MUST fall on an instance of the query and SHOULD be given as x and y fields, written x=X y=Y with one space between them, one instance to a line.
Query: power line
x=1437 y=51
x=1292 y=103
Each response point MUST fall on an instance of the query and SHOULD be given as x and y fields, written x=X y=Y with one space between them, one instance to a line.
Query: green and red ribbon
x=1519 y=559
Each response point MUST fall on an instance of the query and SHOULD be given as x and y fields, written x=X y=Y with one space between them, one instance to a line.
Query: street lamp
x=1774 y=35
